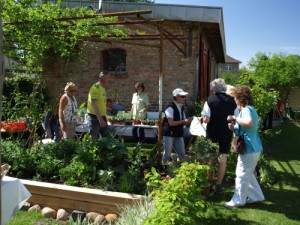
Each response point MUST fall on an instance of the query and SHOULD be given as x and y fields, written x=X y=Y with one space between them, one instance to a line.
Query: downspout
x=1 y=92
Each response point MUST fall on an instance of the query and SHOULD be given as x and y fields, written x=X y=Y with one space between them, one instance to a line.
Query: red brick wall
x=142 y=64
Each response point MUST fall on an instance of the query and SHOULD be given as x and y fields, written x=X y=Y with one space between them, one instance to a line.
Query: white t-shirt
x=206 y=110
x=169 y=112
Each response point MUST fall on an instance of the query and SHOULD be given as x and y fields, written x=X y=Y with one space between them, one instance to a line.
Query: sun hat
x=179 y=91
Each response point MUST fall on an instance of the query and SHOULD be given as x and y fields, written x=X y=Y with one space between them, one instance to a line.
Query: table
x=120 y=130
x=14 y=195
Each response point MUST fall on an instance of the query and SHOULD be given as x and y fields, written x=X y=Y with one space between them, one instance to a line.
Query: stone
x=26 y=206
x=111 y=218
x=91 y=216
x=35 y=208
x=49 y=213
x=78 y=215
x=99 y=219
x=62 y=215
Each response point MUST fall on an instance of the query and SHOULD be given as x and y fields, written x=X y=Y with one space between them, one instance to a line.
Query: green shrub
x=179 y=200
x=268 y=175
x=52 y=157
x=203 y=150
x=17 y=156
x=297 y=116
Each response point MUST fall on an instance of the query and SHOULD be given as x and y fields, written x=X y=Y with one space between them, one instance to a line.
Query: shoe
x=232 y=204
x=219 y=190
x=250 y=201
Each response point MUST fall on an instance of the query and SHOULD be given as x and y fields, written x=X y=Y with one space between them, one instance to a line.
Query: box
x=13 y=126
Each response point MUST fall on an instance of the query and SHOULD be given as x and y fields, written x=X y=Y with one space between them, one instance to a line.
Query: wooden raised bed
x=70 y=198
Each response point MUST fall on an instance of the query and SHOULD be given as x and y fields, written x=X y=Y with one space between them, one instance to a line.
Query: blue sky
x=270 y=26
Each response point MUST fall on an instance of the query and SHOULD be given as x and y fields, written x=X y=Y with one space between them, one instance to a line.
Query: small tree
x=278 y=72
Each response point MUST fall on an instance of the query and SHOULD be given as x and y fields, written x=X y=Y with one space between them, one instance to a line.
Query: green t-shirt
x=98 y=93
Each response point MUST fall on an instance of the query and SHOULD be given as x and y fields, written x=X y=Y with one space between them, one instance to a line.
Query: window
x=114 y=61
x=228 y=67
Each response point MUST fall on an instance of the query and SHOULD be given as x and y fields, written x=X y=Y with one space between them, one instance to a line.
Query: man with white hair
x=216 y=109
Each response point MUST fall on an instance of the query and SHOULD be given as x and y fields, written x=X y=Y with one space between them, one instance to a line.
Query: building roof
x=229 y=59
x=211 y=19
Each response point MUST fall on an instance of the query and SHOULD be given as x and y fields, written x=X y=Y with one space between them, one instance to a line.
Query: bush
x=17 y=156
x=179 y=200
x=297 y=116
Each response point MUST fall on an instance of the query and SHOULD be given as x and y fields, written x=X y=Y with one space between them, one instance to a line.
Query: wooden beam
x=98 y=39
x=87 y=16
x=172 y=40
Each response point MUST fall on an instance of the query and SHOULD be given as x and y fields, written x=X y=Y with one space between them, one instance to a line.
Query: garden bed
x=70 y=198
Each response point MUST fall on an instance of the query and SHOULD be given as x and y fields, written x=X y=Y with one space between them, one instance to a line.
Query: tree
x=277 y=71
x=36 y=31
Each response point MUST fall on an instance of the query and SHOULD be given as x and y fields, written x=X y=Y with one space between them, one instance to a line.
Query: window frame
x=110 y=62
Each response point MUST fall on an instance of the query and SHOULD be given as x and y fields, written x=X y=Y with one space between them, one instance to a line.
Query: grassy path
x=282 y=205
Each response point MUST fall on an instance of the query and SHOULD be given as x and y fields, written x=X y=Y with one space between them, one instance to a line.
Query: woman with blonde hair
x=68 y=111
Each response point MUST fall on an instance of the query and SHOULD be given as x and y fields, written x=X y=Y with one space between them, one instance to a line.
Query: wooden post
x=160 y=84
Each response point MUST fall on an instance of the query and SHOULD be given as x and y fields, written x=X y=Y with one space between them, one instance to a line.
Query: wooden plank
x=70 y=205
x=68 y=197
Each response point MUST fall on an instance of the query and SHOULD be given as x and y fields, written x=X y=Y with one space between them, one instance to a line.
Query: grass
x=282 y=201
x=31 y=218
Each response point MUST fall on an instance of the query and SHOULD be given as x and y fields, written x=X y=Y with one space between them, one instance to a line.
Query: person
x=96 y=107
x=139 y=107
x=110 y=108
x=215 y=111
x=247 y=189
x=4 y=168
x=67 y=111
x=51 y=127
x=173 y=127
x=230 y=90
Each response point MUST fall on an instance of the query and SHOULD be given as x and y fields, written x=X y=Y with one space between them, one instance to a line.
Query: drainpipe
x=1 y=92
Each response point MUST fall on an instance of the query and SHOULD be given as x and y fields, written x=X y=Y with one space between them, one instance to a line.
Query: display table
x=14 y=195
x=120 y=130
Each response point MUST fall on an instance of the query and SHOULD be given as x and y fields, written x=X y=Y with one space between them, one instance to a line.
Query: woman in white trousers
x=247 y=189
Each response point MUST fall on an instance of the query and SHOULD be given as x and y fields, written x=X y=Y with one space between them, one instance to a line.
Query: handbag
x=238 y=145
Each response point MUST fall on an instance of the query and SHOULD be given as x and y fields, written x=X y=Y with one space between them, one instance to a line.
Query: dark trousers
x=141 y=136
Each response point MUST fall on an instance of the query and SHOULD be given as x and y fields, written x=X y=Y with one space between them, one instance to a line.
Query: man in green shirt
x=96 y=107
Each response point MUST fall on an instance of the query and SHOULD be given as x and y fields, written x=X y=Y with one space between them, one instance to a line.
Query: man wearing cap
x=173 y=128
x=216 y=109
x=96 y=107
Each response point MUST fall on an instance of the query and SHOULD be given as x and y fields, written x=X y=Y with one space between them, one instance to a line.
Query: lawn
x=281 y=205
x=282 y=201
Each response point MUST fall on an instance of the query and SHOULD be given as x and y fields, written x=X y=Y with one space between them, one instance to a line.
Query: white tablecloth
x=14 y=195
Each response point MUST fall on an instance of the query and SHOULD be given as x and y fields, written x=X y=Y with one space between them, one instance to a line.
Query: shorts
x=224 y=146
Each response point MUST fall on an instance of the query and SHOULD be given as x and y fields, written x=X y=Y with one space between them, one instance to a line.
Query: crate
x=13 y=126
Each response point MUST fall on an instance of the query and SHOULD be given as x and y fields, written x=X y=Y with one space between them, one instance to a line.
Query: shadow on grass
x=280 y=201
x=214 y=216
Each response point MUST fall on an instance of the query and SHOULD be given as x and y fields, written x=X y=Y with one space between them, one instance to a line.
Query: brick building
x=231 y=65
x=193 y=44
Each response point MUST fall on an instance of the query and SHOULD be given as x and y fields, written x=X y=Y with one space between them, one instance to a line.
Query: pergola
x=213 y=28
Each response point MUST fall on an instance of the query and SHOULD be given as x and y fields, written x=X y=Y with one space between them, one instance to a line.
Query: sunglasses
x=181 y=96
